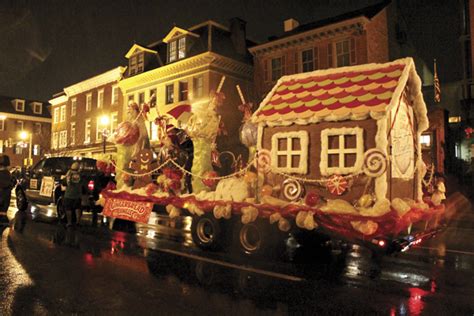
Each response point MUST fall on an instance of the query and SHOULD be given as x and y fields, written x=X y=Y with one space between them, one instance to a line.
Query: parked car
x=40 y=187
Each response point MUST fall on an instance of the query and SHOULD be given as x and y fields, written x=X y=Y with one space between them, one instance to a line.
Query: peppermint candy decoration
x=292 y=189
x=336 y=184
x=263 y=162
x=375 y=162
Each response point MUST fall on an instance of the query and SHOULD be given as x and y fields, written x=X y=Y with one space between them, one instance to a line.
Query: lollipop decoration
x=263 y=162
x=337 y=185
x=375 y=162
x=292 y=189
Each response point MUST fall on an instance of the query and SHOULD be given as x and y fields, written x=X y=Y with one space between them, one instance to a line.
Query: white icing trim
x=260 y=136
x=325 y=151
x=381 y=143
x=303 y=152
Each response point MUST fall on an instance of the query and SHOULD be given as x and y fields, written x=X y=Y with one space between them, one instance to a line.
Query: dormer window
x=177 y=49
x=37 y=108
x=20 y=105
x=136 y=64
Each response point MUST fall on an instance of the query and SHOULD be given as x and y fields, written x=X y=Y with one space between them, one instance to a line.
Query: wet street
x=47 y=269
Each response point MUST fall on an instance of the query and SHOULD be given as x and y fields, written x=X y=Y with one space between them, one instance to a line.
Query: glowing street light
x=104 y=121
x=25 y=136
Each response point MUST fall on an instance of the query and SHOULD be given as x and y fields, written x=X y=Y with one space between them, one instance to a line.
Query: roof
x=337 y=94
x=369 y=12
x=7 y=106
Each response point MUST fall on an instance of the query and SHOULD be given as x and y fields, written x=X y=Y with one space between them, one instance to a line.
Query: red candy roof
x=339 y=92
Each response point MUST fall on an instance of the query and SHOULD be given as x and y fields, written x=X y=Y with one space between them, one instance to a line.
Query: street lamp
x=27 y=136
x=104 y=121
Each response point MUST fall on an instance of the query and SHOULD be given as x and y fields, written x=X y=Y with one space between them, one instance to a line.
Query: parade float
x=333 y=152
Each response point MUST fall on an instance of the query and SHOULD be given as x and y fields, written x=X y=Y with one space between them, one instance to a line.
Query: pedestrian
x=72 y=197
x=5 y=183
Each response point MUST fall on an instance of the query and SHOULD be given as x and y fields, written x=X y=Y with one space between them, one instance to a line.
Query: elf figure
x=439 y=194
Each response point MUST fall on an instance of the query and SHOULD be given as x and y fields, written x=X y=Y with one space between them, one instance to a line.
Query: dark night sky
x=46 y=45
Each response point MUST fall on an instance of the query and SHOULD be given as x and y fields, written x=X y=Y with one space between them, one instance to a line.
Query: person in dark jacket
x=72 y=196
x=5 y=183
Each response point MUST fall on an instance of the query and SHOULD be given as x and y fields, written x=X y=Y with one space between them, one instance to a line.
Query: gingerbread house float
x=346 y=132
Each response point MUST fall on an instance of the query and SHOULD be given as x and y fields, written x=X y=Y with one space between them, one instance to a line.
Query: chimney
x=238 y=35
x=290 y=24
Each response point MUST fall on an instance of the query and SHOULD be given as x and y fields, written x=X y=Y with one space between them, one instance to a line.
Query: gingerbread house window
x=342 y=150
x=290 y=152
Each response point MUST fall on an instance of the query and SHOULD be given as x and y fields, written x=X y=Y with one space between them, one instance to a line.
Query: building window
x=73 y=107
x=20 y=105
x=18 y=149
x=63 y=139
x=114 y=121
x=141 y=62
x=169 y=94
x=37 y=128
x=62 y=116
x=99 y=130
x=181 y=48
x=136 y=64
x=152 y=97
x=36 y=150
x=177 y=49
x=153 y=131
x=131 y=99
x=425 y=141
x=342 y=150
x=132 y=65
x=56 y=115
x=290 y=151
x=198 y=87
x=37 y=108
x=278 y=67
x=87 y=133
x=172 y=51
x=141 y=98
x=183 y=90
x=54 y=142
x=309 y=60
x=19 y=126
x=72 y=134
x=344 y=53
x=2 y=125
x=454 y=119
x=100 y=98
x=89 y=102
x=115 y=94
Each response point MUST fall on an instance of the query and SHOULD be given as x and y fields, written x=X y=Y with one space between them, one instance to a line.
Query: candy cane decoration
x=263 y=161
x=242 y=99
x=375 y=162
x=292 y=189
x=221 y=84
x=337 y=185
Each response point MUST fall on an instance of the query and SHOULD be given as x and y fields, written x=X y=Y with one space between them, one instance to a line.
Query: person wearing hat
x=5 y=183
x=72 y=196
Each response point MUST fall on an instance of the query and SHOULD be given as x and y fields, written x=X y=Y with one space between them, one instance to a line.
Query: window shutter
x=330 y=55
x=352 y=49
x=283 y=65
x=316 y=58
x=296 y=63
x=266 y=76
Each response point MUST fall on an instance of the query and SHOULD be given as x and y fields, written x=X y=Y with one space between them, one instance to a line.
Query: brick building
x=357 y=37
x=32 y=117
x=185 y=66
x=78 y=111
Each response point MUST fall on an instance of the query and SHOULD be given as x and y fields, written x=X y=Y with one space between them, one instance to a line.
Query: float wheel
x=207 y=232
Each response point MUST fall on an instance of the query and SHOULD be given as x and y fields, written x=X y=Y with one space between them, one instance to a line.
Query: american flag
x=437 y=87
